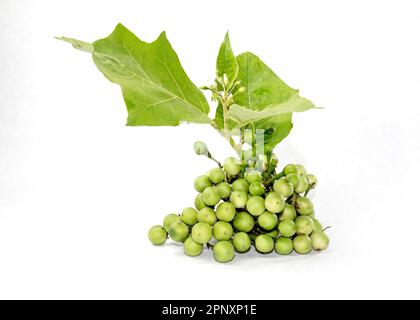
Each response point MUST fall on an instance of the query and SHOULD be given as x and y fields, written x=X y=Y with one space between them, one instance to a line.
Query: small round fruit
x=157 y=235
x=200 y=148
x=201 y=233
x=224 y=190
x=232 y=166
x=241 y=242
x=178 y=231
x=238 y=199
x=274 y=202
x=207 y=215
x=225 y=211
x=300 y=170
x=302 y=185
x=284 y=246
x=273 y=233
x=255 y=205
x=243 y=221
x=289 y=212
x=223 y=251
x=169 y=219
x=240 y=185
x=210 y=196
x=253 y=176
x=304 y=206
x=192 y=248
x=304 y=225
x=216 y=175
x=293 y=178
x=222 y=230
x=198 y=202
x=264 y=243
x=283 y=187
x=267 y=220
x=317 y=225
x=189 y=216
x=312 y=180
x=320 y=240
x=302 y=244
x=290 y=168
x=201 y=183
x=287 y=228
x=256 y=188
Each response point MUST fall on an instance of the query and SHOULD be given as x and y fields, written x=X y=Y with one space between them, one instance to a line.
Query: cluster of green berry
x=239 y=209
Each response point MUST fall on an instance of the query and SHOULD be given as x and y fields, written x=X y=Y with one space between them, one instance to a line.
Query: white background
x=79 y=190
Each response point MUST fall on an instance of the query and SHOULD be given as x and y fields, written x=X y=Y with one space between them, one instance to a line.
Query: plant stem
x=273 y=178
x=211 y=158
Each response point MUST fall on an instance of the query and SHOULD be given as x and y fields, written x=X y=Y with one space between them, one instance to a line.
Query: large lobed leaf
x=264 y=89
x=156 y=89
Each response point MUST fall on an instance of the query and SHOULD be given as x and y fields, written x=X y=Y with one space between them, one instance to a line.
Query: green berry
x=302 y=244
x=178 y=231
x=224 y=190
x=273 y=233
x=223 y=251
x=255 y=205
x=225 y=211
x=267 y=220
x=222 y=230
x=304 y=206
x=284 y=246
x=304 y=225
x=274 y=202
x=157 y=235
x=232 y=166
x=207 y=215
x=287 y=228
x=290 y=168
x=302 y=185
x=256 y=188
x=216 y=175
x=169 y=219
x=239 y=199
x=289 y=212
x=189 y=216
x=253 y=176
x=294 y=179
x=264 y=243
x=320 y=240
x=201 y=233
x=198 y=202
x=201 y=183
x=241 y=242
x=210 y=196
x=240 y=185
x=283 y=187
x=300 y=170
x=243 y=221
x=192 y=248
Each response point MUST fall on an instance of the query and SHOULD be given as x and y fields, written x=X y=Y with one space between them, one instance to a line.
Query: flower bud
x=200 y=148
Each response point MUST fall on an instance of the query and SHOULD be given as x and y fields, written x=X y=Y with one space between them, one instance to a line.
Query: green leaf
x=264 y=89
x=226 y=61
x=156 y=89
x=77 y=44
x=244 y=116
